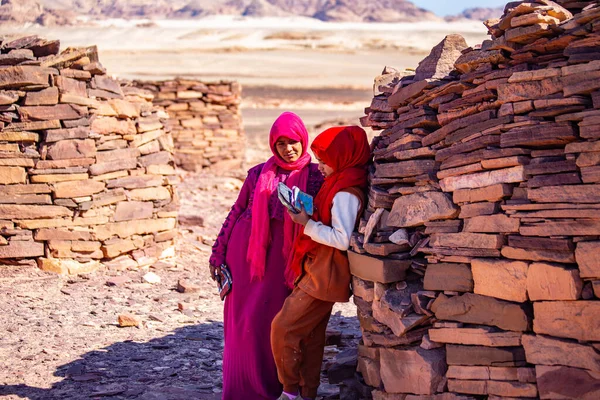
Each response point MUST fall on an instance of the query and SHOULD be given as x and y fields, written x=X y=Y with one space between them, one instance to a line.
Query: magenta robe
x=248 y=365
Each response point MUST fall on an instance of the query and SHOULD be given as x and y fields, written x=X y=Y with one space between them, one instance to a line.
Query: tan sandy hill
x=326 y=10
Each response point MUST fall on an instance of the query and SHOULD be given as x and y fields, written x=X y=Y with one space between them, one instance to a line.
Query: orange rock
x=420 y=370
x=11 y=175
x=126 y=320
x=185 y=286
x=23 y=76
x=553 y=282
x=477 y=309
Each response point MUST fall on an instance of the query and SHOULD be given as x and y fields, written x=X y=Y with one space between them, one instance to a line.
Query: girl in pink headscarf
x=255 y=242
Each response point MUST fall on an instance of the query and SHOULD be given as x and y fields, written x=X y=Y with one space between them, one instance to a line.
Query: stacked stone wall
x=86 y=167
x=205 y=121
x=477 y=263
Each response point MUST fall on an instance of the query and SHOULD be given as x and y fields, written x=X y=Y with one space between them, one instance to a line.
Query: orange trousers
x=298 y=342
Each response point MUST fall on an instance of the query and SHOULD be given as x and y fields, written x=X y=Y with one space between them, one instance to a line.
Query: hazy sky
x=442 y=7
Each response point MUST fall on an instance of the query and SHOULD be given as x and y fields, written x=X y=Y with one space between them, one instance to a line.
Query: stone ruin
x=86 y=166
x=477 y=268
x=205 y=121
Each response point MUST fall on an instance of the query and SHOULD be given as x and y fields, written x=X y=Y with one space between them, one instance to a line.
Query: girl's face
x=288 y=149
x=325 y=169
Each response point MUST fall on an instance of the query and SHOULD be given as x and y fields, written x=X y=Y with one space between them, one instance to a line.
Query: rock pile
x=476 y=266
x=205 y=121
x=86 y=165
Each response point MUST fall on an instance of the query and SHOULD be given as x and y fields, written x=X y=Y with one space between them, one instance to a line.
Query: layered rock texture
x=86 y=166
x=205 y=121
x=476 y=265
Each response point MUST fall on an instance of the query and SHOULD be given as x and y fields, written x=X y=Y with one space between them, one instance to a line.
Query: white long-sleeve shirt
x=344 y=213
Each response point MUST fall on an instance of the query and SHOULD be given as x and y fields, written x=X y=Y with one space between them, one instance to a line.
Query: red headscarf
x=291 y=126
x=346 y=150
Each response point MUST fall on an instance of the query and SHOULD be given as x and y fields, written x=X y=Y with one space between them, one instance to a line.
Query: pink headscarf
x=291 y=126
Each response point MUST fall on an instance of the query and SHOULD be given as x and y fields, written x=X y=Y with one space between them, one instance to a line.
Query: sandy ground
x=60 y=338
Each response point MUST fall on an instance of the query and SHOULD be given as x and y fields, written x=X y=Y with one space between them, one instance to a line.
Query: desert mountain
x=326 y=10
x=478 y=14
x=17 y=10
x=21 y=11
x=372 y=11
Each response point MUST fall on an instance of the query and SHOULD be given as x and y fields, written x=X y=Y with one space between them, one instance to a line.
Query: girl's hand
x=301 y=218
x=213 y=269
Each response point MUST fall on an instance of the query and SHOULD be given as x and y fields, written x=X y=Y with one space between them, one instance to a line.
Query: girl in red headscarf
x=320 y=260
x=255 y=242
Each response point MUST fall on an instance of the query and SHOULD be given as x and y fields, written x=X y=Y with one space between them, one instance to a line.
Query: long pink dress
x=248 y=365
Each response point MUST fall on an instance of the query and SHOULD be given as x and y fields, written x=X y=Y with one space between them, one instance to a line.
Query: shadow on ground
x=183 y=365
